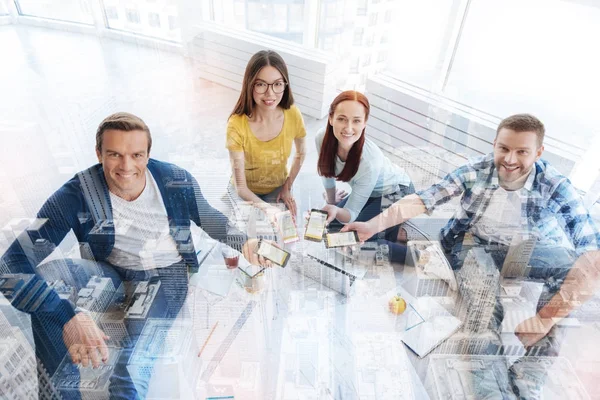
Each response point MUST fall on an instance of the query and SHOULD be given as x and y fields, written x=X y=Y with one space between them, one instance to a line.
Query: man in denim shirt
x=134 y=212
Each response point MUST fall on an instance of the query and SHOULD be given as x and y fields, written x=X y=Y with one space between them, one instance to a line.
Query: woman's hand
x=331 y=211
x=340 y=195
x=285 y=195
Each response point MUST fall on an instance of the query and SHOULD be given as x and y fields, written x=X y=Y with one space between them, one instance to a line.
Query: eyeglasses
x=262 y=87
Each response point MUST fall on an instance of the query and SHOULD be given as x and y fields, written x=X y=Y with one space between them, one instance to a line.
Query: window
x=112 y=13
x=367 y=61
x=154 y=20
x=173 y=25
x=361 y=7
x=418 y=33
x=354 y=65
x=3 y=8
x=358 y=36
x=62 y=10
x=132 y=16
x=373 y=19
x=382 y=56
x=388 y=16
x=546 y=67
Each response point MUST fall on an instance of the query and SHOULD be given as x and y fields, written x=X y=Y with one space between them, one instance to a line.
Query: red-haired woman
x=346 y=155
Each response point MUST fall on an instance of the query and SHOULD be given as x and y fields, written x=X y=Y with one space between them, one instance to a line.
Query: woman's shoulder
x=237 y=119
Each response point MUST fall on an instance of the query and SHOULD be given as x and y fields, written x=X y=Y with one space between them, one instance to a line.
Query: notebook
x=437 y=326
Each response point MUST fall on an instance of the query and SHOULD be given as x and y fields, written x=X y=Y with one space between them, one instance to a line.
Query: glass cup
x=230 y=256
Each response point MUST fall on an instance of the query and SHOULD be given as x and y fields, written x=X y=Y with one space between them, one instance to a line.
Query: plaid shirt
x=552 y=208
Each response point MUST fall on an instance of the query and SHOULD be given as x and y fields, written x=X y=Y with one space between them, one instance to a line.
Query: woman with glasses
x=260 y=132
x=346 y=155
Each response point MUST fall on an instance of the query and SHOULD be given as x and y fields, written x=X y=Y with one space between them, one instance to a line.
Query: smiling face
x=268 y=100
x=124 y=156
x=515 y=153
x=348 y=122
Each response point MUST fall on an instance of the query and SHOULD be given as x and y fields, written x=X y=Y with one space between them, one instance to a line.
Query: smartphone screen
x=273 y=253
x=316 y=225
x=340 y=239
x=288 y=228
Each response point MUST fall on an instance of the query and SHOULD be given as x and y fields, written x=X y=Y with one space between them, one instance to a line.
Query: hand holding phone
x=287 y=226
x=316 y=225
x=272 y=252
x=341 y=239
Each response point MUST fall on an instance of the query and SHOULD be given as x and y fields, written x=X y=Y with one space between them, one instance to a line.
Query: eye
x=523 y=152
x=114 y=155
x=357 y=121
x=260 y=84
x=278 y=84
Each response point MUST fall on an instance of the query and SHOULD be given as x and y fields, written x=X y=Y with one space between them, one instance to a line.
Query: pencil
x=207 y=339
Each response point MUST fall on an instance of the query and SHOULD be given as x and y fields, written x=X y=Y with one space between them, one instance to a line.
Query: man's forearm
x=582 y=280
x=404 y=209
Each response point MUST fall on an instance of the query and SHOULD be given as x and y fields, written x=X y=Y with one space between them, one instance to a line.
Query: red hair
x=326 y=163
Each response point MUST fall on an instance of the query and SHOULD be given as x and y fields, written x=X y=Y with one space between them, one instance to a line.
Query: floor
x=58 y=86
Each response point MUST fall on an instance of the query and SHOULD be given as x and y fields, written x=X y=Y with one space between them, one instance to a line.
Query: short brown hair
x=327 y=155
x=524 y=123
x=245 y=103
x=122 y=121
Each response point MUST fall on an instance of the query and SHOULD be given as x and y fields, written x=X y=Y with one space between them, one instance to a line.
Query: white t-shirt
x=142 y=239
x=503 y=220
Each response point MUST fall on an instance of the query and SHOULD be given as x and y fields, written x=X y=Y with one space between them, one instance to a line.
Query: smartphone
x=315 y=225
x=289 y=233
x=271 y=252
x=251 y=270
x=341 y=239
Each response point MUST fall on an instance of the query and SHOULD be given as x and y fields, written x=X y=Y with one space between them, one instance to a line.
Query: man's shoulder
x=167 y=170
x=546 y=175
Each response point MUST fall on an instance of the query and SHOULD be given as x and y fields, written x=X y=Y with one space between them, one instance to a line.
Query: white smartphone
x=316 y=225
x=289 y=233
x=271 y=252
x=340 y=239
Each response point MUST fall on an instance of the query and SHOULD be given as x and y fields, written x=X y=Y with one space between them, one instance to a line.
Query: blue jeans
x=371 y=209
x=166 y=305
x=549 y=264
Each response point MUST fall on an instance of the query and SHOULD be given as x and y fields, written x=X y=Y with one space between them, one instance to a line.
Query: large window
x=63 y=10
x=419 y=38
x=3 y=8
x=156 y=18
x=283 y=19
x=533 y=56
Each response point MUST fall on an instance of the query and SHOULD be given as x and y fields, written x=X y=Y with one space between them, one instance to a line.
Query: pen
x=208 y=338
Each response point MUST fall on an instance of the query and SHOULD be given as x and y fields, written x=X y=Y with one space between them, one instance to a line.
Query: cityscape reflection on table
x=321 y=328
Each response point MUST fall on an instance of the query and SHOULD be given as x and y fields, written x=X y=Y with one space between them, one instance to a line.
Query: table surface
x=296 y=338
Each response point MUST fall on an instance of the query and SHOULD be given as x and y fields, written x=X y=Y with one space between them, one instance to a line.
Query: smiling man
x=134 y=212
x=508 y=198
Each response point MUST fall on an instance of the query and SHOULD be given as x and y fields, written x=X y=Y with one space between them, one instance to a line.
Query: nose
x=270 y=88
x=126 y=163
x=510 y=158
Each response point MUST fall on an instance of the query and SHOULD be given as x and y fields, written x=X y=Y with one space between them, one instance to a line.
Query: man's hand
x=364 y=230
x=85 y=341
x=533 y=329
x=248 y=250
x=340 y=195
x=285 y=195
x=331 y=211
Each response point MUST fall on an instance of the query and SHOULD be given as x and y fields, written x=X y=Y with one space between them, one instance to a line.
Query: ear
x=99 y=155
x=329 y=120
x=538 y=153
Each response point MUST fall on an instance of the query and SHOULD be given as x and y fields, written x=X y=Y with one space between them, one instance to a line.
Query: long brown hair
x=245 y=103
x=326 y=163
